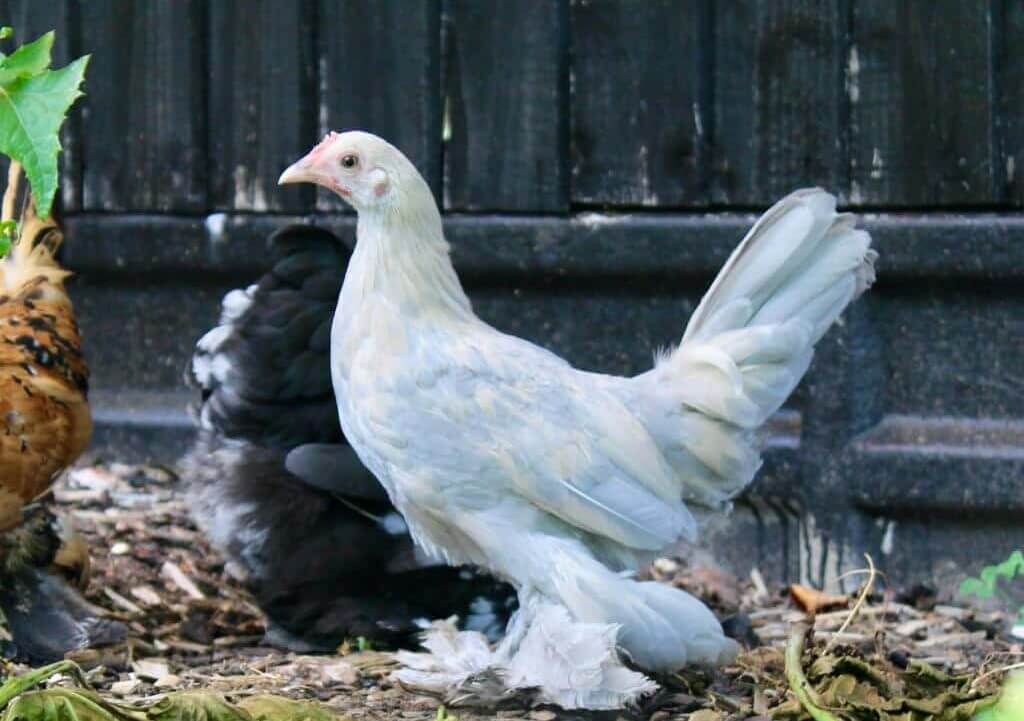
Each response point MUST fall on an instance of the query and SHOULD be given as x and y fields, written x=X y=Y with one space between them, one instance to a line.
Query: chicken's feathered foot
x=546 y=655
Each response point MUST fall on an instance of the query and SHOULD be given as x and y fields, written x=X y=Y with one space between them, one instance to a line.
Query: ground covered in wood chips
x=193 y=626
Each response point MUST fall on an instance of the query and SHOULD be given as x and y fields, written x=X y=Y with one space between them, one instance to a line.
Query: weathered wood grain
x=506 y=105
x=30 y=19
x=144 y=125
x=778 y=114
x=1010 y=81
x=262 y=101
x=920 y=89
x=911 y=417
x=637 y=117
x=380 y=70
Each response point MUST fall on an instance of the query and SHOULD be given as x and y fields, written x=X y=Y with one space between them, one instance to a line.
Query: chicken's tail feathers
x=33 y=251
x=801 y=261
x=751 y=339
x=264 y=370
x=661 y=628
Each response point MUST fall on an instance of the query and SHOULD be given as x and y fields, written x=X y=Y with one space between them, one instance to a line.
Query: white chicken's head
x=366 y=171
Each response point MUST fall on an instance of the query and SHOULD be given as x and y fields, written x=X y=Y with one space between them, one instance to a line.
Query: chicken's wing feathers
x=335 y=468
x=504 y=415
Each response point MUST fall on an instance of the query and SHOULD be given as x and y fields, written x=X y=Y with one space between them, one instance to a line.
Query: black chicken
x=276 y=488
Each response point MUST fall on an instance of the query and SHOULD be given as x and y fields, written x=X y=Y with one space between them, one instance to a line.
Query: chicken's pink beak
x=316 y=167
x=301 y=171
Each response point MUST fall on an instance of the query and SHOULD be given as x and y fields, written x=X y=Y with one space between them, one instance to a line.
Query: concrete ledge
x=984 y=245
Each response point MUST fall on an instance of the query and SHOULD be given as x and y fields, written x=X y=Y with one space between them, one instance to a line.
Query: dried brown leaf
x=812 y=601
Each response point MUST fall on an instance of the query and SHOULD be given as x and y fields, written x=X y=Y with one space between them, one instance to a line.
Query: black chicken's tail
x=264 y=370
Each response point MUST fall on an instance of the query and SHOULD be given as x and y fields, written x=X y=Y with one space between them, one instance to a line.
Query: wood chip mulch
x=193 y=625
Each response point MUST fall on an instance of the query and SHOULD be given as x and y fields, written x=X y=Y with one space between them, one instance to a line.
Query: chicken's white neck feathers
x=401 y=253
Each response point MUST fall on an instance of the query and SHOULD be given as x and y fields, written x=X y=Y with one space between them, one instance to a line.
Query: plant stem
x=795 y=674
x=868 y=585
x=18 y=685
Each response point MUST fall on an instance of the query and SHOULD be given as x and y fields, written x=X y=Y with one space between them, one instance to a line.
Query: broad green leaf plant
x=34 y=100
x=22 y=700
x=1010 y=706
x=989 y=582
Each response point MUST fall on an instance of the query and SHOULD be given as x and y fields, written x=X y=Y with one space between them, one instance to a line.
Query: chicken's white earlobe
x=380 y=182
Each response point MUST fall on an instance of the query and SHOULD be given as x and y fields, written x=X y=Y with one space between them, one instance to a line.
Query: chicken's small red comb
x=323 y=143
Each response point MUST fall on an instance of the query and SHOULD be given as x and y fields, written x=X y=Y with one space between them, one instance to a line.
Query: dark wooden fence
x=597 y=161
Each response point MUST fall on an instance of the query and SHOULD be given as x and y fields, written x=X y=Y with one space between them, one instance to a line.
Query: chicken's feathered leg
x=546 y=655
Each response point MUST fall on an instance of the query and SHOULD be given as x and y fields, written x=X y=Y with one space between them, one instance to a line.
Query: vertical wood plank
x=1010 y=73
x=380 y=71
x=144 y=129
x=30 y=19
x=262 y=101
x=778 y=99
x=921 y=95
x=505 y=104
x=637 y=126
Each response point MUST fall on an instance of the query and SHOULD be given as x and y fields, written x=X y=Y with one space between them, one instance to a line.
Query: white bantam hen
x=501 y=454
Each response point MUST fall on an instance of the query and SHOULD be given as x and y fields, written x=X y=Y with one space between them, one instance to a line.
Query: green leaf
x=363 y=643
x=79 y=704
x=27 y=60
x=851 y=688
x=18 y=702
x=67 y=704
x=798 y=682
x=976 y=587
x=443 y=715
x=986 y=585
x=32 y=110
x=276 y=708
x=194 y=706
x=1010 y=706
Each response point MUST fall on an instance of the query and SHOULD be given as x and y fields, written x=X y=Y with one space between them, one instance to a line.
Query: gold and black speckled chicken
x=45 y=425
x=44 y=414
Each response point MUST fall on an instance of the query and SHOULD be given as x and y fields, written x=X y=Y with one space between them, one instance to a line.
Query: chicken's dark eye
x=349 y=161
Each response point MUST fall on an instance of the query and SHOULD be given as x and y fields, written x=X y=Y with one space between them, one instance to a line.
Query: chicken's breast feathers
x=44 y=415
